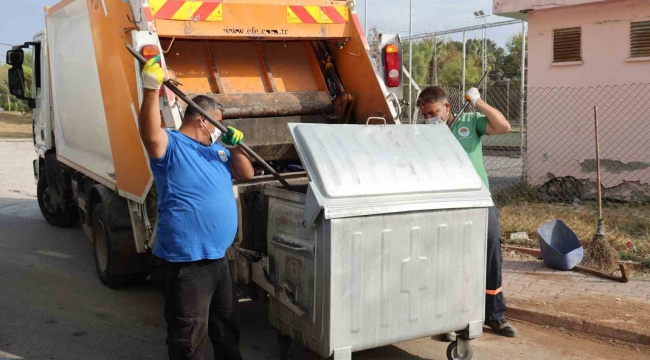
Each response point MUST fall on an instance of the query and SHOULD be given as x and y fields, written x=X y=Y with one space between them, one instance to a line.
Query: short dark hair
x=206 y=103
x=431 y=94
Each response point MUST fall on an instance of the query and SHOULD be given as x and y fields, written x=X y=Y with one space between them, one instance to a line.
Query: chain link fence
x=545 y=167
x=555 y=146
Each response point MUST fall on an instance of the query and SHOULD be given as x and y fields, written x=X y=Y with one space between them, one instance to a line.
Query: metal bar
x=435 y=60
x=457 y=30
x=218 y=125
x=485 y=66
x=215 y=74
x=522 y=99
x=408 y=75
x=411 y=62
x=462 y=110
x=255 y=105
x=464 y=58
x=267 y=69
x=365 y=20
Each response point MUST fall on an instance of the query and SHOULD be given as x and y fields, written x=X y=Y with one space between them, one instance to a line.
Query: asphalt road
x=52 y=306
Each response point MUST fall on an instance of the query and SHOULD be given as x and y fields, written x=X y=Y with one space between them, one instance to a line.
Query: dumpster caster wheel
x=285 y=342
x=452 y=351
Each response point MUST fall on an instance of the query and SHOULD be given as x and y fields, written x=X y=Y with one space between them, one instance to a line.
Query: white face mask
x=214 y=136
x=434 y=121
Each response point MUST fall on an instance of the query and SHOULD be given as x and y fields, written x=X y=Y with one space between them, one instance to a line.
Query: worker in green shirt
x=434 y=106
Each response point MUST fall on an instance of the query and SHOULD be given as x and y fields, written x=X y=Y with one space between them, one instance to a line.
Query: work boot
x=502 y=327
x=448 y=337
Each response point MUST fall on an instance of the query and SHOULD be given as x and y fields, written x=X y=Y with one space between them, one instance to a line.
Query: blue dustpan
x=559 y=245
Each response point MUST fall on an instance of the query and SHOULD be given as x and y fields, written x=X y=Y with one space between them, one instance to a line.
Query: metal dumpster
x=387 y=244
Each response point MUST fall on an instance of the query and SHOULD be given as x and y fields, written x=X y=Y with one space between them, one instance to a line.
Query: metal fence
x=545 y=167
x=550 y=152
x=551 y=155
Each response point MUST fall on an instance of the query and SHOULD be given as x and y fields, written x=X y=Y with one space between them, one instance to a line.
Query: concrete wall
x=561 y=97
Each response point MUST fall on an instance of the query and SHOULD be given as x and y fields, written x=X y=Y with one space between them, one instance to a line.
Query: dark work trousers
x=495 y=303
x=199 y=303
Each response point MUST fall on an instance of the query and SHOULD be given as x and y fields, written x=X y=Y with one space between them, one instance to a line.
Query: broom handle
x=600 y=201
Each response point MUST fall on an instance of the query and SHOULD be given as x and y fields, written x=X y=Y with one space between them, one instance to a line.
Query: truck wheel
x=53 y=213
x=104 y=248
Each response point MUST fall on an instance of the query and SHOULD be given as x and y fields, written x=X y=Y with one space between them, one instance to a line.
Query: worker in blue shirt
x=197 y=222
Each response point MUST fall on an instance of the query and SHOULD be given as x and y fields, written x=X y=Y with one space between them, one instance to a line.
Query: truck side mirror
x=15 y=57
x=17 y=82
x=17 y=76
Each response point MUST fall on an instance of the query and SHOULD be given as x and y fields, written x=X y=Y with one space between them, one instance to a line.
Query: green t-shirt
x=468 y=130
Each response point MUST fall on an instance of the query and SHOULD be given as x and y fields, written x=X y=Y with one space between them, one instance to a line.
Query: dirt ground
x=566 y=336
x=14 y=125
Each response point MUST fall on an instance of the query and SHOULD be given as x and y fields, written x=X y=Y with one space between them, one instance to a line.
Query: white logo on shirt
x=223 y=156
x=464 y=132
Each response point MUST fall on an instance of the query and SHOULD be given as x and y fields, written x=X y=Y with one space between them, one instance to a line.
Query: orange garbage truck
x=270 y=63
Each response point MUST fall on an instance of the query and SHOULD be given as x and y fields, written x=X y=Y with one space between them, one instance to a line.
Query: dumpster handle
x=375 y=118
x=277 y=241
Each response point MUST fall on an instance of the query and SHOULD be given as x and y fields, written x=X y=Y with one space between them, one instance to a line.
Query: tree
x=5 y=97
x=512 y=62
x=452 y=71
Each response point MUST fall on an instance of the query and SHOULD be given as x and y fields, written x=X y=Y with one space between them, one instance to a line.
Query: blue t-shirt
x=197 y=213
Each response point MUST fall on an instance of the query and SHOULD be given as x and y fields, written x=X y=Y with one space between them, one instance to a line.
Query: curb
x=15 y=140
x=584 y=326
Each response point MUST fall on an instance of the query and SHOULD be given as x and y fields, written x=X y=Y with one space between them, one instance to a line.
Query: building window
x=567 y=45
x=640 y=39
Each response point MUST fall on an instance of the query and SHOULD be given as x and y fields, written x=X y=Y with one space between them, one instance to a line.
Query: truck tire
x=104 y=249
x=54 y=213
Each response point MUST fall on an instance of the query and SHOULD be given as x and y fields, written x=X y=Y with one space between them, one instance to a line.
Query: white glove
x=472 y=95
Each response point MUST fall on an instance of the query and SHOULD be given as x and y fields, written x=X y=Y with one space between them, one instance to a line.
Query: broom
x=600 y=254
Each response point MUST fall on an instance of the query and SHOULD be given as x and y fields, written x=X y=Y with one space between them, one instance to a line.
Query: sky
x=21 y=19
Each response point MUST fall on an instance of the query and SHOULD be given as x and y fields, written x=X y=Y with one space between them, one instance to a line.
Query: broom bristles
x=600 y=254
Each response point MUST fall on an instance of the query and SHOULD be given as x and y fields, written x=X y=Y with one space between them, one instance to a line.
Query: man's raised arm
x=153 y=136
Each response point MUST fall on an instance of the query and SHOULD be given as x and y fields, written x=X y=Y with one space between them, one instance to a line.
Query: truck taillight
x=149 y=51
x=392 y=65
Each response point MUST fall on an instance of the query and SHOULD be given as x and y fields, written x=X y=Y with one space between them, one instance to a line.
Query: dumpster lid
x=382 y=169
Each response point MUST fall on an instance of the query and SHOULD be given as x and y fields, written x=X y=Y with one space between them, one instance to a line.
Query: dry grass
x=15 y=125
x=623 y=223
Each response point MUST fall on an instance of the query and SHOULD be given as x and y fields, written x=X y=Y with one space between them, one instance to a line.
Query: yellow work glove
x=152 y=74
x=233 y=137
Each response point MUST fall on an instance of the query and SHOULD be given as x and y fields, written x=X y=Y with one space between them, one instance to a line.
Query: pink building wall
x=561 y=97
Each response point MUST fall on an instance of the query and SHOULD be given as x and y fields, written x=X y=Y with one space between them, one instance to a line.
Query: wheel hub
x=53 y=209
